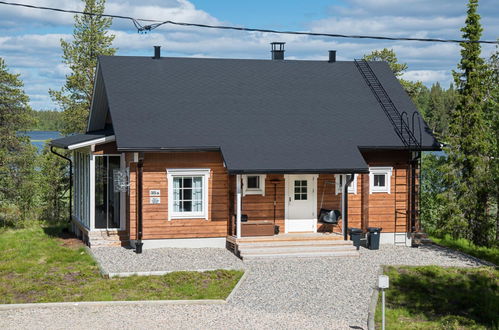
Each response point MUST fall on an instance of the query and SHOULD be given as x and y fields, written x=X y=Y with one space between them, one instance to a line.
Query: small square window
x=254 y=185
x=253 y=182
x=340 y=178
x=379 y=179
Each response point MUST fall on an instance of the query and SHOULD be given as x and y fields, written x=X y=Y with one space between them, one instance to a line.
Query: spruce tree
x=492 y=116
x=90 y=39
x=467 y=170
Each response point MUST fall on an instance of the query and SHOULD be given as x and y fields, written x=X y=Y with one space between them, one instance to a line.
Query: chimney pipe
x=157 y=52
x=332 y=56
x=277 y=50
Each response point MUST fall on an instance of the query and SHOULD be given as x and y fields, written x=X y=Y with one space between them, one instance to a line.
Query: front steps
x=293 y=246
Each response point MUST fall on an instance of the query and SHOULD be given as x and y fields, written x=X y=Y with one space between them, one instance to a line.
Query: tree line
x=459 y=188
x=47 y=120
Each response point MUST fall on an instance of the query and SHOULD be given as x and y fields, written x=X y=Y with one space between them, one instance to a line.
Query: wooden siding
x=383 y=206
x=259 y=207
x=365 y=209
x=155 y=216
x=106 y=149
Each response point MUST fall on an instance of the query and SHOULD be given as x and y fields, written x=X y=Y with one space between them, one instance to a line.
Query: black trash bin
x=355 y=235
x=373 y=234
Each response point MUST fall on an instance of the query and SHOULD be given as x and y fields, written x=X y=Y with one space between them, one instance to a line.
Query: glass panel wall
x=107 y=200
x=81 y=199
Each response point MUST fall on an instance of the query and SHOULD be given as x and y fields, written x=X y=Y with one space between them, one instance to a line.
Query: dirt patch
x=68 y=239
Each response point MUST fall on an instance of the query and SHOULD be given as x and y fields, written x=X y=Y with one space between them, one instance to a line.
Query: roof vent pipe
x=277 y=50
x=332 y=56
x=157 y=52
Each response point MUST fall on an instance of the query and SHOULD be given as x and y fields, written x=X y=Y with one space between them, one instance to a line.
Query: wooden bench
x=257 y=228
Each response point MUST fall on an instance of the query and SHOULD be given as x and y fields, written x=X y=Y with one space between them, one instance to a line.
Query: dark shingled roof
x=264 y=116
x=70 y=140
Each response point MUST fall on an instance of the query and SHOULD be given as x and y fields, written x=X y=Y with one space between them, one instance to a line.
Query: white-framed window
x=341 y=178
x=187 y=193
x=254 y=184
x=379 y=179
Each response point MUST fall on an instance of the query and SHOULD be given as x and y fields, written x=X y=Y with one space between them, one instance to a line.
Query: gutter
x=70 y=181
x=345 y=205
x=140 y=171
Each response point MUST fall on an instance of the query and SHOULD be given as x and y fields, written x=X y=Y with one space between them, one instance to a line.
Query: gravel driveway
x=320 y=293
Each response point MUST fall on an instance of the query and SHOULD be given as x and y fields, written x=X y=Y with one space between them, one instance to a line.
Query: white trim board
x=102 y=140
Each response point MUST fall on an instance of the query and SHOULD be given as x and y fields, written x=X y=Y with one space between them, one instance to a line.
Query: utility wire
x=157 y=23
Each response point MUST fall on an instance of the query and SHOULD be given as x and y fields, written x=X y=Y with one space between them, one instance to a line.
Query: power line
x=157 y=23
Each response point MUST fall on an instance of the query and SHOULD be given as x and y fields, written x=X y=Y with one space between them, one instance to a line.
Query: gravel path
x=118 y=259
x=288 y=293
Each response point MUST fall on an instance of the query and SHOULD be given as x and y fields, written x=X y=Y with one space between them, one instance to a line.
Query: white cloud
x=429 y=76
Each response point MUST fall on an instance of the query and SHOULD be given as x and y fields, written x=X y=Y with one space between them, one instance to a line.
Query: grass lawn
x=37 y=266
x=432 y=297
x=489 y=254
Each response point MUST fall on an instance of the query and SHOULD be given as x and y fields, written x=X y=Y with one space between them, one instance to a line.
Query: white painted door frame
x=287 y=197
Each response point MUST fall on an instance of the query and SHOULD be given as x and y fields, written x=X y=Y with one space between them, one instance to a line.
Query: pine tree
x=398 y=69
x=467 y=172
x=17 y=155
x=90 y=39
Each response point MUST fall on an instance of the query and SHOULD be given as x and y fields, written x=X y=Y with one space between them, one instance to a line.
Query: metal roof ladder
x=407 y=203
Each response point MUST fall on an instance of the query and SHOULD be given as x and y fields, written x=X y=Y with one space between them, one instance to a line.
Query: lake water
x=39 y=138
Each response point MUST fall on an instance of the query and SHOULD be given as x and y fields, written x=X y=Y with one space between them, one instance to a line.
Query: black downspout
x=70 y=182
x=140 y=170
x=345 y=205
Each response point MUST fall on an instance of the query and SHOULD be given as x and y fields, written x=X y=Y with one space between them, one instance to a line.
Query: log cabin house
x=198 y=152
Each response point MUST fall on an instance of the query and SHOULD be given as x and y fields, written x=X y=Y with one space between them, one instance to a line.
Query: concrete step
x=104 y=236
x=250 y=245
x=293 y=249
x=290 y=238
x=103 y=243
x=315 y=254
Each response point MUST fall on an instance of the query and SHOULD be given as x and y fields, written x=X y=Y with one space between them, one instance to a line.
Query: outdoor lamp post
x=383 y=283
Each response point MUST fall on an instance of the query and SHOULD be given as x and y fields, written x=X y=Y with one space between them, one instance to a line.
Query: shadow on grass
x=466 y=294
x=57 y=230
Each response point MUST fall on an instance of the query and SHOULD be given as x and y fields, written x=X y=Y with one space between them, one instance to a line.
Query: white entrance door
x=301 y=199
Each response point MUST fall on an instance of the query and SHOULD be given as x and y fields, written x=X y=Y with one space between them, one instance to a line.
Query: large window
x=187 y=193
x=340 y=179
x=107 y=199
x=379 y=179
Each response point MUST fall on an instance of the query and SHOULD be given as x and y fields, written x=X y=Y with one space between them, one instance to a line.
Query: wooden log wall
x=155 y=216
x=365 y=209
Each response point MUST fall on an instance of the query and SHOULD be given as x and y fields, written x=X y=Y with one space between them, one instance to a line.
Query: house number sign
x=154 y=197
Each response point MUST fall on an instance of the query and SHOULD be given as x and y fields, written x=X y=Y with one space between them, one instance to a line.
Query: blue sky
x=30 y=39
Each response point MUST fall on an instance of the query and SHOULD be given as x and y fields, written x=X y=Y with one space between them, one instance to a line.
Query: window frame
x=387 y=172
x=352 y=189
x=254 y=191
x=205 y=173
